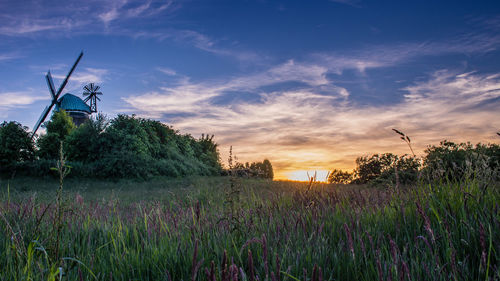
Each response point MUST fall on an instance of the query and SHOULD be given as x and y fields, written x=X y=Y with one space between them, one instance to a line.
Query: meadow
x=226 y=228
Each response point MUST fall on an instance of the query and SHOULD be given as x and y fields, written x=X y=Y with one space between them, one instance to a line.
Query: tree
x=381 y=169
x=84 y=143
x=58 y=128
x=340 y=177
x=262 y=169
x=368 y=168
x=267 y=168
x=456 y=161
x=207 y=151
x=16 y=144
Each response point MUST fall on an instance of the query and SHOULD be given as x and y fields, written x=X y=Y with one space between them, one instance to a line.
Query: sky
x=309 y=85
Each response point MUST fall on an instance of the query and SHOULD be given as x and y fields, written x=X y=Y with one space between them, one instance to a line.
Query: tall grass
x=290 y=231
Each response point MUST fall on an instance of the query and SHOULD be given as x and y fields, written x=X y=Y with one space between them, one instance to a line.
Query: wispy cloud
x=10 y=100
x=195 y=39
x=94 y=75
x=389 y=55
x=109 y=16
x=353 y=3
x=83 y=77
x=127 y=9
x=117 y=17
x=167 y=71
x=26 y=27
x=9 y=56
x=33 y=18
x=193 y=97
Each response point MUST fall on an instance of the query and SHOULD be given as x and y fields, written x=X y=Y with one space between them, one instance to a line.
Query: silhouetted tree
x=267 y=169
x=339 y=176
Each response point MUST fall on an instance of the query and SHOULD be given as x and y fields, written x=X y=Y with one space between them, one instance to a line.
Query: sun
x=304 y=175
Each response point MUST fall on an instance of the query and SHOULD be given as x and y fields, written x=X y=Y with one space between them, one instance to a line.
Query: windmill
x=91 y=90
x=78 y=109
x=54 y=94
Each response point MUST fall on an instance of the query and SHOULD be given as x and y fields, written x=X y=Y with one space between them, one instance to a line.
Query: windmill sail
x=54 y=95
x=42 y=118
x=67 y=76
x=50 y=83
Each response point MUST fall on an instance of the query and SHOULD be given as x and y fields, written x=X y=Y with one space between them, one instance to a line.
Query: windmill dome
x=70 y=103
x=77 y=109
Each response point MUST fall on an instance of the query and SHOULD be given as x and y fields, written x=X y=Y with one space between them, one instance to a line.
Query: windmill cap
x=71 y=102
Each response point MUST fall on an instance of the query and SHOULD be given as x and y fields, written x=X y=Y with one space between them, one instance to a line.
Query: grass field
x=242 y=229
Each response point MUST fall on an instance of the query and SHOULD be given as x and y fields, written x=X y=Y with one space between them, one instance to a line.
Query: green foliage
x=60 y=123
x=382 y=169
x=459 y=161
x=447 y=161
x=125 y=147
x=207 y=151
x=84 y=143
x=340 y=177
x=368 y=168
x=135 y=147
x=16 y=144
x=131 y=147
x=58 y=128
x=262 y=169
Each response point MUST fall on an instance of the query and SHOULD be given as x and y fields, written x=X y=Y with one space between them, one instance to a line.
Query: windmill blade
x=96 y=88
x=98 y=98
x=50 y=83
x=87 y=99
x=98 y=93
x=42 y=118
x=67 y=76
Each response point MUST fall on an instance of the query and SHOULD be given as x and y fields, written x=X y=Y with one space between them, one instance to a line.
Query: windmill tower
x=77 y=108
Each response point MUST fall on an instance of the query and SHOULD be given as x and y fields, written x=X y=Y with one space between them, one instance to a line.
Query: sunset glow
x=321 y=175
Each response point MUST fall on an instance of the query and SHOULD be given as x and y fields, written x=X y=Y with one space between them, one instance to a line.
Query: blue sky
x=310 y=85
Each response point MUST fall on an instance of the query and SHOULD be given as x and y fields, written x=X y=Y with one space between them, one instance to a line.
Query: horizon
x=308 y=86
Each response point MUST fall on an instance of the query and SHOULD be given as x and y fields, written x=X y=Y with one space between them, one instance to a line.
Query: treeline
x=124 y=147
x=262 y=170
x=447 y=161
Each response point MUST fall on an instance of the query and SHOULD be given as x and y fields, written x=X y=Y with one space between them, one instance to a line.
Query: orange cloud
x=301 y=129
